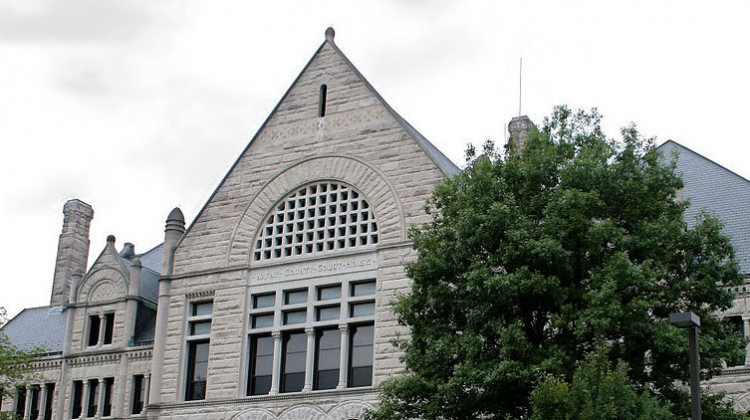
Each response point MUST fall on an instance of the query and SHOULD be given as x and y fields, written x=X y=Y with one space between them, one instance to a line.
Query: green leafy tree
x=535 y=257
x=596 y=392
x=14 y=364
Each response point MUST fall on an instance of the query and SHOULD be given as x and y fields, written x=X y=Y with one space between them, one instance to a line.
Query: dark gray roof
x=38 y=327
x=152 y=259
x=712 y=187
x=149 y=288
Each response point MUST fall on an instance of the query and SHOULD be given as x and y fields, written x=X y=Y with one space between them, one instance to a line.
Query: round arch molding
x=101 y=285
x=367 y=180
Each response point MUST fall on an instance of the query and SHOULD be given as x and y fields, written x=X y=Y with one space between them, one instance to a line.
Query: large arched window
x=315 y=219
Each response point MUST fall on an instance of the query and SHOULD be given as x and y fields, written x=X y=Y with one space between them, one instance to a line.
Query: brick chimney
x=72 y=249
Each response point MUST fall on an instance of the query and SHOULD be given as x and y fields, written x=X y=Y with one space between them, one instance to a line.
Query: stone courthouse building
x=274 y=302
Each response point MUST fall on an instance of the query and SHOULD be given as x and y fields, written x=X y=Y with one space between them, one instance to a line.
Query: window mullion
x=343 y=371
x=310 y=335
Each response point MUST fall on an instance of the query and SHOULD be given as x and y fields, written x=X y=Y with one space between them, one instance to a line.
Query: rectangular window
x=107 y=409
x=94 y=324
x=363 y=289
x=109 y=327
x=49 y=401
x=295 y=297
x=199 y=328
x=21 y=401
x=295 y=317
x=327 y=313
x=197 y=370
x=327 y=358
x=361 y=355
x=139 y=394
x=77 y=403
x=261 y=365
x=93 y=398
x=34 y=409
x=329 y=292
x=267 y=300
x=362 y=309
x=262 y=321
x=294 y=354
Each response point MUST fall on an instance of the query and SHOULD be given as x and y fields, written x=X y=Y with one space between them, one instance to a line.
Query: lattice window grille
x=316 y=219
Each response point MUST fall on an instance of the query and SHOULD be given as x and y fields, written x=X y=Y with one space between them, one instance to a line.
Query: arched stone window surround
x=102 y=276
x=370 y=182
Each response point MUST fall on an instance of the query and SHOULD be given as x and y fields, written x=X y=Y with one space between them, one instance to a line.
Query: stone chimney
x=72 y=249
x=520 y=127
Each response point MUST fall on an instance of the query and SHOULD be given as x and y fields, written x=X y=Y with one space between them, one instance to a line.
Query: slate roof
x=38 y=327
x=712 y=187
x=151 y=261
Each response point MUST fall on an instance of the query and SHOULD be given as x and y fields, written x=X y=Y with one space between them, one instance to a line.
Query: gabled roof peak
x=330 y=34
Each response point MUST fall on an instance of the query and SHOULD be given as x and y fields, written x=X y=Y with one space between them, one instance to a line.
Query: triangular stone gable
x=714 y=188
x=109 y=268
x=360 y=140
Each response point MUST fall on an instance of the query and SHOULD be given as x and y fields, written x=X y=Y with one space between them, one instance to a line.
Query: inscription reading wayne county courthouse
x=314 y=269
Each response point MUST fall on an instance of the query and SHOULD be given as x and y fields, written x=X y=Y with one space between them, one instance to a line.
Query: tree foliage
x=14 y=364
x=596 y=392
x=535 y=257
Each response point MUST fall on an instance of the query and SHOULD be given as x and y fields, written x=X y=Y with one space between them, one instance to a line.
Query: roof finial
x=330 y=33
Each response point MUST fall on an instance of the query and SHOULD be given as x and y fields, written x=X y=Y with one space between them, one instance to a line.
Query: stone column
x=746 y=331
x=310 y=360
x=173 y=232
x=85 y=401
x=102 y=329
x=100 y=404
x=43 y=403
x=27 y=404
x=134 y=285
x=275 y=375
x=343 y=377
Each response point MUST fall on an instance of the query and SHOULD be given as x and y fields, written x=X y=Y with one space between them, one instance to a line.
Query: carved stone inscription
x=313 y=269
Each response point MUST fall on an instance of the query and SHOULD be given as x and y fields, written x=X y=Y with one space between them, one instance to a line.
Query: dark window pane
x=264 y=301
x=297 y=296
x=93 y=397
x=21 y=401
x=94 y=324
x=329 y=292
x=200 y=328
x=34 y=409
x=362 y=309
x=261 y=365
x=107 y=409
x=293 y=365
x=197 y=371
x=203 y=308
x=327 y=359
x=363 y=289
x=328 y=313
x=361 y=356
x=109 y=327
x=77 y=399
x=262 y=321
x=138 y=394
x=49 y=401
x=295 y=317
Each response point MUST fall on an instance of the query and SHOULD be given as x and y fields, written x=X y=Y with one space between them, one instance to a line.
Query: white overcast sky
x=139 y=106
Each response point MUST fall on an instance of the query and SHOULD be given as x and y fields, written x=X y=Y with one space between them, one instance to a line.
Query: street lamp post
x=693 y=322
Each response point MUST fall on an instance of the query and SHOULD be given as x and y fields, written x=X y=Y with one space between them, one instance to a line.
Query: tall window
x=34 y=409
x=94 y=326
x=77 y=400
x=107 y=409
x=109 y=327
x=93 y=398
x=21 y=401
x=261 y=368
x=139 y=394
x=327 y=358
x=360 y=356
x=294 y=359
x=49 y=400
x=322 y=101
x=199 y=333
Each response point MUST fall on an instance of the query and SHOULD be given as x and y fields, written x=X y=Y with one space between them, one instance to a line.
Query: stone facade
x=316 y=208
x=275 y=303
